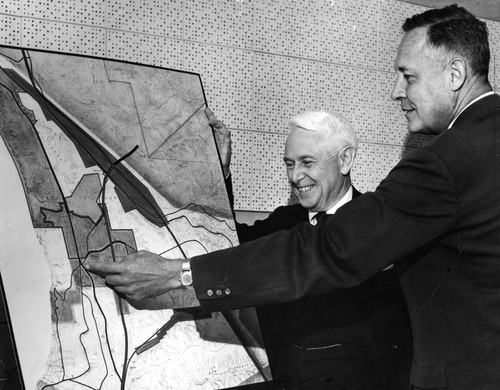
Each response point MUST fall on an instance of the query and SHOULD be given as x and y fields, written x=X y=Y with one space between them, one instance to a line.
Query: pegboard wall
x=261 y=62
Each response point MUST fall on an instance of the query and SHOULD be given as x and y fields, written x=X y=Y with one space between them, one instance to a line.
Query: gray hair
x=331 y=123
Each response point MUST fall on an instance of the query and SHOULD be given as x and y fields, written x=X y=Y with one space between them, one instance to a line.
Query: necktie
x=319 y=216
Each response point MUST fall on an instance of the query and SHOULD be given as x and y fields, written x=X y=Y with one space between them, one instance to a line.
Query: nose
x=296 y=174
x=399 y=89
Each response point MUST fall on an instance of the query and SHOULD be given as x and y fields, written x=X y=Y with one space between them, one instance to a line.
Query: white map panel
x=101 y=159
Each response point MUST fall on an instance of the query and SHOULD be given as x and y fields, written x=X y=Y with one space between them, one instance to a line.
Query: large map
x=105 y=158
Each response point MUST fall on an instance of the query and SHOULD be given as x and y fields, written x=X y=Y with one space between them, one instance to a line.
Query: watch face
x=187 y=279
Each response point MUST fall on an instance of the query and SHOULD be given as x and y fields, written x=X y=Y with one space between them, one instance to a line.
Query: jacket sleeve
x=414 y=205
x=284 y=217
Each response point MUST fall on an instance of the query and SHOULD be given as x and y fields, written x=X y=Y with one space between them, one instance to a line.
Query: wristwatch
x=186 y=277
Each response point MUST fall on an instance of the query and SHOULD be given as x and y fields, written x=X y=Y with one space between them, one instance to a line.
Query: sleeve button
x=227 y=291
x=210 y=293
x=218 y=292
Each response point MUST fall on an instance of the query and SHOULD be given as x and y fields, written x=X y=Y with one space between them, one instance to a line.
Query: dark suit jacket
x=441 y=200
x=357 y=338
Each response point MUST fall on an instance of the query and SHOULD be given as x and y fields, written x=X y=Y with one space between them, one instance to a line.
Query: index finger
x=103 y=268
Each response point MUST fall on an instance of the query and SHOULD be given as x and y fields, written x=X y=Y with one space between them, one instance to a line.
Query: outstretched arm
x=414 y=205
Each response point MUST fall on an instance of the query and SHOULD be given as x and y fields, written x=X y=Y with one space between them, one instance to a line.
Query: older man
x=441 y=202
x=358 y=338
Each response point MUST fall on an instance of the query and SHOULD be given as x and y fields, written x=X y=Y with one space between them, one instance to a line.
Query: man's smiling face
x=313 y=169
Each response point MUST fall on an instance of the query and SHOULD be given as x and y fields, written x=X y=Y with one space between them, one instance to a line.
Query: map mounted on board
x=101 y=159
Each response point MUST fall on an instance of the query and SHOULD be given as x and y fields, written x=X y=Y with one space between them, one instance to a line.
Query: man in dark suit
x=357 y=338
x=441 y=203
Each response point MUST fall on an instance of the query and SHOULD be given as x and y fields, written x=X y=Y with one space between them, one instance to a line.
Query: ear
x=458 y=73
x=346 y=159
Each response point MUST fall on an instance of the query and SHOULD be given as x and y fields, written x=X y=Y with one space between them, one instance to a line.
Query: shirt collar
x=346 y=198
x=472 y=102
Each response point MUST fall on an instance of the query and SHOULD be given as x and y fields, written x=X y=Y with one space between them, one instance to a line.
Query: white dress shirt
x=346 y=198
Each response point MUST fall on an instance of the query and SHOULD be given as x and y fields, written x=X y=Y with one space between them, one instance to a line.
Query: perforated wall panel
x=227 y=75
x=373 y=162
x=349 y=32
x=10 y=29
x=284 y=86
x=392 y=16
x=269 y=179
x=242 y=167
x=261 y=62
x=58 y=36
x=10 y=7
x=274 y=26
x=89 y=12
x=145 y=49
x=221 y=22
x=155 y=17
